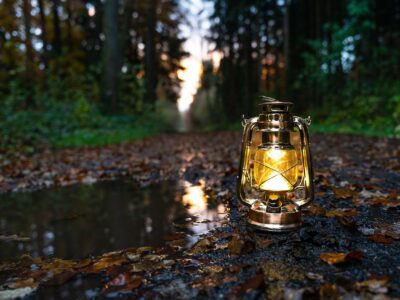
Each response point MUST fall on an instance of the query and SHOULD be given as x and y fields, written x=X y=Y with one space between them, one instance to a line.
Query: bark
x=150 y=54
x=57 y=41
x=286 y=46
x=111 y=56
x=43 y=36
x=69 y=23
x=29 y=54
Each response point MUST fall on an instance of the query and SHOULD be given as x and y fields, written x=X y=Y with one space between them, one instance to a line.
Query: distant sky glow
x=196 y=44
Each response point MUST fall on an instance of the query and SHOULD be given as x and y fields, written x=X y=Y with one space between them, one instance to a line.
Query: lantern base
x=288 y=218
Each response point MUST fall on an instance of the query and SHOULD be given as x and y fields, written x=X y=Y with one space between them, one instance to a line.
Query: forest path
x=347 y=246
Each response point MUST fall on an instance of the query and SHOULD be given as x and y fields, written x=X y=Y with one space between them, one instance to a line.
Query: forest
x=337 y=60
x=79 y=72
x=125 y=172
x=76 y=72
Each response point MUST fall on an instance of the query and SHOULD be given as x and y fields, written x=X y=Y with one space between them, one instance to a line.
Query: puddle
x=78 y=221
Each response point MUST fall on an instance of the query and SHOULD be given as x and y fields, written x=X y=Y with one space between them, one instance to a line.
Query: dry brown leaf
x=380 y=238
x=146 y=266
x=384 y=202
x=125 y=280
x=316 y=210
x=334 y=258
x=214 y=269
x=29 y=282
x=253 y=283
x=374 y=285
x=104 y=263
x=235 y=245
x=263 y=243
x=201 y=246
x=343 y=192
x=144 y=249
x=342 y=212
x=174 y=236
x=329 y=291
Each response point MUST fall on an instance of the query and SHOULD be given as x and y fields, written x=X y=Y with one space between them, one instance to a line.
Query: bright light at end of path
x=190 y=77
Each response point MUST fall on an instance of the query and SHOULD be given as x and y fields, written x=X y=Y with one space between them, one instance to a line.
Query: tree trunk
x=29 y=64
x=57 y=42
x=44 y=33
x=150 y=54
x=111 y=56
x=69 y=23
x=286 y=46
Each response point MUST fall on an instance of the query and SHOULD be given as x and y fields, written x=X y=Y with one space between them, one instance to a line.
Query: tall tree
x=29 y=54
x=57 y=40
x=150 y=54
x=111 y=56
x=43 y=27
x=286 y=34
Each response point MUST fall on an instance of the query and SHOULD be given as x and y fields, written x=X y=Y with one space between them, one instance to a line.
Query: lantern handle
x=249 y=125
x=308 y=171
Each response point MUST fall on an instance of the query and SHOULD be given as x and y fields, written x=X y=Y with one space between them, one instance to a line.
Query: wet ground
x=79 y=221
x=346 y=249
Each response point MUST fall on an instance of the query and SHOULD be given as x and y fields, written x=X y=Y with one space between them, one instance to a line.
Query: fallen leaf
x=214 y=269
x=316 y=210
x=104 y=263
x=201 y=246
x=334 y=258
x=375 y=285
x=315 y=276
x=155 y=257
x=179 y=243
x=29 y=282
x=342 y=212
x=17 y=293
x=174 y=236
x=58 y=277
x=125 y=280
x=329 y=291
x=117 y=281
x=343 y=192
x=263 y=243
x=253 y=283
x=380 y=238
x=146 y=266
x=144 y=249
x=82 y=263
x=208 y=282
x=221 y=246
x=134 y=283
x=384 y=202
x=132 y=257
x=236 y=244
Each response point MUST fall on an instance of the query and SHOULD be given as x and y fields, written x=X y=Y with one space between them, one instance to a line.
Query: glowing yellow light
x=275 y=169
x=190 y=77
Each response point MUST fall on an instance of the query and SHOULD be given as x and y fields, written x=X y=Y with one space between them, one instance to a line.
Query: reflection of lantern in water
x=195 y=198
x=275 y=177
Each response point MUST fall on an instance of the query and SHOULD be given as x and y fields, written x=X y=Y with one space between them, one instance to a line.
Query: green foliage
x=74 y=124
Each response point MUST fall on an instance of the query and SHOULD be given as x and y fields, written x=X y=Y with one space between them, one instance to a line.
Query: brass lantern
x=275 y=176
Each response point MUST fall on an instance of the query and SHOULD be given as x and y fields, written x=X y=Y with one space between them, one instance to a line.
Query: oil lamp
x=275 y=176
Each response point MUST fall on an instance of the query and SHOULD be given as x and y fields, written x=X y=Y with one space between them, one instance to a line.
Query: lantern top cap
x=273 y=105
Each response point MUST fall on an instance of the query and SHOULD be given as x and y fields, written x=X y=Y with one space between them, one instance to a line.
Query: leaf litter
x=352 y=225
